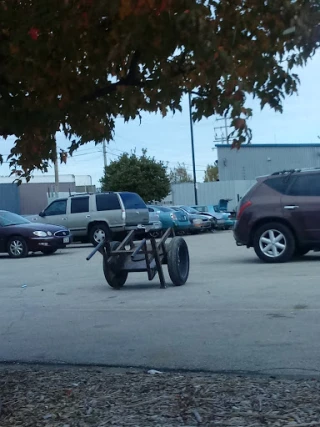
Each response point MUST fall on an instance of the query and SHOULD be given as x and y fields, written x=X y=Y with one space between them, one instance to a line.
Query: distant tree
x=180 y=174
x=211 y=173
x=143 y=175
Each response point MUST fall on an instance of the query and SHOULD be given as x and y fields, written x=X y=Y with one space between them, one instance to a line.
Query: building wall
x=34 y=196
x=209 y=193
x=9 y=198
x=252 y=161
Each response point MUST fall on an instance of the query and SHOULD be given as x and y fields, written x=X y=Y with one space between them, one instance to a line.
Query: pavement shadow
x=81 y=246
x=132 y=287
x=307 y=258
x=32 y=255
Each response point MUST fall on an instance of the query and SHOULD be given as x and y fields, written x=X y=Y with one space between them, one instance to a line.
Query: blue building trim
x=270 y=145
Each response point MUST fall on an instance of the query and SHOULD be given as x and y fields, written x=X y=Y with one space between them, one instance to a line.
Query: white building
x=254 y=160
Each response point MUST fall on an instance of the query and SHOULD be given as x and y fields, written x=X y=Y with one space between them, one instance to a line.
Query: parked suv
x=279 y=215
x=96 y=216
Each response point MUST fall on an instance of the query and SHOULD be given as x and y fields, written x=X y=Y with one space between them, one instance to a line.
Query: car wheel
x=49 y=251
x=98 y=233
x=17 y=247
x=274 y=243
x=155 y=234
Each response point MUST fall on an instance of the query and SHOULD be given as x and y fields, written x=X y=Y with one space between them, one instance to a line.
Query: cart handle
x=95 y=250
x=138 y=248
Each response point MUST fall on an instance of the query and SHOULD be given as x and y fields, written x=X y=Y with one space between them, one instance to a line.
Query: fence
x=10 y=198
x=209 y=193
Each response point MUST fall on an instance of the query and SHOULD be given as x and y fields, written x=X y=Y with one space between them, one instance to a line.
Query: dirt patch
x=81 y=397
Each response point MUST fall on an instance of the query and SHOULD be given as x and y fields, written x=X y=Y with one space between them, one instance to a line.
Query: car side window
x=107 y=202
x=58 y=207
x=307 y=185
x=80 y=205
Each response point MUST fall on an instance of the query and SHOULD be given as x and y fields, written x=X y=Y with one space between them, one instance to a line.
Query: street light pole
x=193 y=157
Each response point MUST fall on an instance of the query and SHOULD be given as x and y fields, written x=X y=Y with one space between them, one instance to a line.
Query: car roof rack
x=80 y=194
x=90 y=193
x=290 y=171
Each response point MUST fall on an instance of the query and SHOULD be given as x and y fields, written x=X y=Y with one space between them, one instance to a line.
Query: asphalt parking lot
x=234 y=314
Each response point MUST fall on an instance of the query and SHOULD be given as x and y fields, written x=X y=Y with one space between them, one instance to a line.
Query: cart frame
x=141 y=257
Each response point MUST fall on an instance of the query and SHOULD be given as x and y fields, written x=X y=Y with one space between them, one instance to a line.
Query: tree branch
x=129 y=80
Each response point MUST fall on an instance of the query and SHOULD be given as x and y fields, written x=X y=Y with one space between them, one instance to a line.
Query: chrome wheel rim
x=16 y=248
x=272 y=243
x=99 y=235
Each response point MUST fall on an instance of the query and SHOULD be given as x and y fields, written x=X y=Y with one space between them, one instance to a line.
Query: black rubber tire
x=24 y=247
x=301 y=251
x=49 y=251
x=96 y=227
x=178 y=261
x=289 y=251
x=155 y=234
x=214 y=224
x=116 y=279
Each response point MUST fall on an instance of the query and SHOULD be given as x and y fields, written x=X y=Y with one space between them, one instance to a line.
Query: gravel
x=81 y=397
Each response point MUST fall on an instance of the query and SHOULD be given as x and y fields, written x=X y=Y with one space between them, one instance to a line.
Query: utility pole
x=104 y=149
x=222 y=139
x=56 y=173
x=193 y=156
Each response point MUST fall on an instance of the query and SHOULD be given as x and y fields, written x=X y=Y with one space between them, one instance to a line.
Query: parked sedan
x=198 y=222
x=221 y=220
x=19 y=236
x=171 y=219
x=156 y=225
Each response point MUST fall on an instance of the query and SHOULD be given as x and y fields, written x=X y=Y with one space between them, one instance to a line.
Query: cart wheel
x=115 y=277
x=178 y=261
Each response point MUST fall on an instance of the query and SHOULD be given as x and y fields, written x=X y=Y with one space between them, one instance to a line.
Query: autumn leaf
x=34 y=33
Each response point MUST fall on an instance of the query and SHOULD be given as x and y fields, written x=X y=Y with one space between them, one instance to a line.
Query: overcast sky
x=168 y=139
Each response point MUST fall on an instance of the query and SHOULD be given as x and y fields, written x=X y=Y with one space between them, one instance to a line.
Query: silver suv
x=95 y=216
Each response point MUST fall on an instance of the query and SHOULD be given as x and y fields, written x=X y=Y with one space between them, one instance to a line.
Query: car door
x=79 y=216
x=55 y=213
x=301 y=206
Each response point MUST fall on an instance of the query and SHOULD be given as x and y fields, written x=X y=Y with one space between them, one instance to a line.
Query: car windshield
x=201 y=208
x=190 y=210
x=9 y=218
x=163 y=209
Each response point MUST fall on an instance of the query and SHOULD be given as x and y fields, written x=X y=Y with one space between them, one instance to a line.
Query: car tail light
x=173 y=216
x=243 y=208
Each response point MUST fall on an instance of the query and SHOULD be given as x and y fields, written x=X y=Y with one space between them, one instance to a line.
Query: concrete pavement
x=234 y=314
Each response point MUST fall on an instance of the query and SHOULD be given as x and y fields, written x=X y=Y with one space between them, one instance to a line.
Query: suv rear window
x=107 y=202
x=132 y=201
x=279 y=184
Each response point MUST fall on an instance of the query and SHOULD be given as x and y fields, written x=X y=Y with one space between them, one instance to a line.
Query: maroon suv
x=280 y=215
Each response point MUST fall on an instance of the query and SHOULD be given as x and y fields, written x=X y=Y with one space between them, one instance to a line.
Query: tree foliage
x=211 y=173
x=180 y=174
x=76 y=65
x=143 y=175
